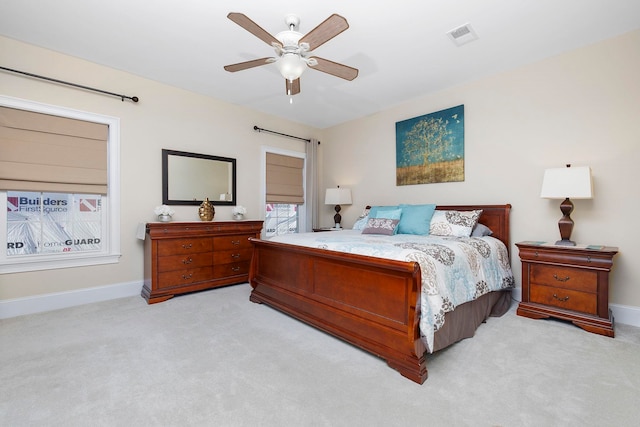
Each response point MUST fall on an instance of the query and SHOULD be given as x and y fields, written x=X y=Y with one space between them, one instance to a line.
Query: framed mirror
x=189 y=178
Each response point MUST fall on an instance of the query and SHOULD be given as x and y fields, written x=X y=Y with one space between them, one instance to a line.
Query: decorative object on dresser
x=337 y=196
x=206 y=211
x=563 y=183
x=184 y=257
x=239 y=212
x=569 y=283
x=164 y=213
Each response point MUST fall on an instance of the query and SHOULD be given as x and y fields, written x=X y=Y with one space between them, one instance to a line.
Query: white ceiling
x=400 y=47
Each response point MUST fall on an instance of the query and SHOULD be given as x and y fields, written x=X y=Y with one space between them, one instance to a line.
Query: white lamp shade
x=337 y=196
x=572 y=182
x=291 y=66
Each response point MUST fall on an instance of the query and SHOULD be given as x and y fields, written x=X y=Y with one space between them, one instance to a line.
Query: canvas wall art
x=430 y=148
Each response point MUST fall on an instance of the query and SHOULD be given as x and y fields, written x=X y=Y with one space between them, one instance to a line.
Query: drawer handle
x=560 y=279
x=235 y=268
x=235 y=242
x=235 y=256
x=185 y=277
x=561 y=299
x=187 y=261
x=189 y=246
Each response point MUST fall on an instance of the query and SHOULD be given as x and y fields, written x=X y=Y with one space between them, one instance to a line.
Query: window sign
x=49 y=223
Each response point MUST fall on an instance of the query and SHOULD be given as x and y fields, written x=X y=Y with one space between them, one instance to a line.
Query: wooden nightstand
x=567 y=282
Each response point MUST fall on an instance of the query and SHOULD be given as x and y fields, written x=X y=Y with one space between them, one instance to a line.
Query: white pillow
x=454 y=223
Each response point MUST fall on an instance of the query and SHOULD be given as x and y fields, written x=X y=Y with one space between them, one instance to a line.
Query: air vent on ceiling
x=462 y=34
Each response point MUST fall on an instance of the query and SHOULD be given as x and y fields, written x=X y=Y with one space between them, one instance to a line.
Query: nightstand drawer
x=564 y=277
x=564 y=298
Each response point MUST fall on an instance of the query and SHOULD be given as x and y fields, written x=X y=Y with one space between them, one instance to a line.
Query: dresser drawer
x=564 y=298
x=234 y=269
x=184 y=246
x=183 y=277
x=180 y=262
x=564 y=277
x=240 y=241
x=226 y=257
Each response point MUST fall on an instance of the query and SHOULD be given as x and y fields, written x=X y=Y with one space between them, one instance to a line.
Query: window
x=51 y=227
x=284 y=192
x=281 y=219
x=53 y=223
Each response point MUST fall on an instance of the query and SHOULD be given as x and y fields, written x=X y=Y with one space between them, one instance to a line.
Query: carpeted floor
x=215 y=359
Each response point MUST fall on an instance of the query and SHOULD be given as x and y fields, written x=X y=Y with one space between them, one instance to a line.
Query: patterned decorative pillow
x=454 y=223
x=384 y=226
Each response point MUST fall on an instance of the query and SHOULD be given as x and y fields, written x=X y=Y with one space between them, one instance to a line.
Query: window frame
x=110 y=253
x=302 y=209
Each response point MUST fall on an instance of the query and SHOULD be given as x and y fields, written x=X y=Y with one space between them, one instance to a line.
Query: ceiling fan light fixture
x=291 y=66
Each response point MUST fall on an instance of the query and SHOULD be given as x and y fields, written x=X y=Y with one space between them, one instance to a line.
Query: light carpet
x=216 y=359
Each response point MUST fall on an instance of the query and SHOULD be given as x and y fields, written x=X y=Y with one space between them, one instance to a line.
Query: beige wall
x=582 y=107
x=165 y=117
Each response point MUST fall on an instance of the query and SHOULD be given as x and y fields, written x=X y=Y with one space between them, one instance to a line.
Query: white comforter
x=454 y=270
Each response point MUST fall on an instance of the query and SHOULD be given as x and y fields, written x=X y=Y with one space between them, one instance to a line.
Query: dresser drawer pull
x=561 y=279
x=187 y=261
x=235 y=256
x=561 y=299
x=185 y=277
x=189 y=246
x=235 y=268
x=235 y=242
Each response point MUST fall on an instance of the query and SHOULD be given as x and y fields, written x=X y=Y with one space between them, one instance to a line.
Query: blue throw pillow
x=387 y=213
x=374 y=210
x=415 y=219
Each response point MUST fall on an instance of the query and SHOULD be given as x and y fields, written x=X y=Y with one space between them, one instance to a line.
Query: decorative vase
x=238 y=216
x=206 y=211
x=164 y=217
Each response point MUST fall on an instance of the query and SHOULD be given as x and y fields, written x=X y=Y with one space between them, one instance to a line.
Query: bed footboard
x=368 y=302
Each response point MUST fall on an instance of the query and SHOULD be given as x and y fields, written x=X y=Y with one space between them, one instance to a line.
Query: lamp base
x=337 y=218
x=565 y=243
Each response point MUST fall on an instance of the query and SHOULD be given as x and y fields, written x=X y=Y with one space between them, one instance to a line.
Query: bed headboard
x=496 y=217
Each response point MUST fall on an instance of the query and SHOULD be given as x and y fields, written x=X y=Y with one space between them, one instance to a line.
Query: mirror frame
x=166 y=175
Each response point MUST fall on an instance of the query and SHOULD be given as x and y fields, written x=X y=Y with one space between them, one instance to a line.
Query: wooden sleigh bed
x=367 y=301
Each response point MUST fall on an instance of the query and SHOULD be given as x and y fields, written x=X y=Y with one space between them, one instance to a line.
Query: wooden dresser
x=567 y=282
x=184 y=257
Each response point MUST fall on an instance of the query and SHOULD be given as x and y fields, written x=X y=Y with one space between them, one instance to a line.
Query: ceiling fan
x=293 y=50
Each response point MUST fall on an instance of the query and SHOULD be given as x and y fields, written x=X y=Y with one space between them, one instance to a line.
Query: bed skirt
x=465 y=319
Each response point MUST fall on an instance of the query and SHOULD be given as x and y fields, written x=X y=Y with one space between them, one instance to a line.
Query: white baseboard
x=626 y=314
x=47 y=302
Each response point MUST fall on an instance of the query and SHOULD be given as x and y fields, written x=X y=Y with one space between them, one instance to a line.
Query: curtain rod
x=257 y=129
x=122 y=97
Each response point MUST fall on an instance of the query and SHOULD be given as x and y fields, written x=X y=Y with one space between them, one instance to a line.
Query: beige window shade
x=284 y=179
x=41 y=152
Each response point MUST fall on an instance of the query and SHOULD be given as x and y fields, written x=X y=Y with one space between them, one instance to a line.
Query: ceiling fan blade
x=248 y=64
x=335 y=69
x=255 y=29
x=293 y=88
x=328 y=29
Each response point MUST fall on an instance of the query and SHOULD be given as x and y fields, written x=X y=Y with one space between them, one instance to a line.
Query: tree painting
x=430 y=148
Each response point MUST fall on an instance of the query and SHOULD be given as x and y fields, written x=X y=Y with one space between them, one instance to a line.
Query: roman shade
x=42 y=152
x=285 y=179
